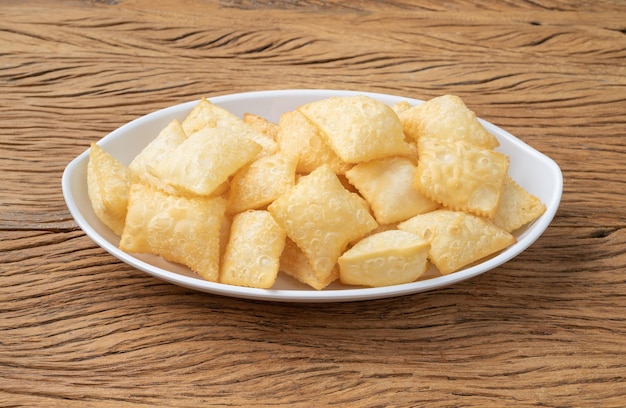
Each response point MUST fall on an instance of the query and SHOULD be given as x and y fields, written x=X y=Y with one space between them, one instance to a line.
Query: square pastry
x=461 y=176
x=322 y=218
x=358 y=128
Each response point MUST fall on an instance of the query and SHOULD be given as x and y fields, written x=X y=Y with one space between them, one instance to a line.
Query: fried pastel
x=108 y=183
x=299 y=138
x=387 y=258
x=253 y=251
x=295 y=263
x=206 y=114
x=179 y=229
x=461 y=176
x=446 y=118
x=358 y=128
x=387 y=185
x=322 y=217
x=457 y=239
x=167 y=140
x=517 y=207
x=205 y=160
x=261 y=182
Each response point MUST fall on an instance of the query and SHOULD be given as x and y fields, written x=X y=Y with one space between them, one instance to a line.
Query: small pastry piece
x=108 y=183
x=253 y=251
x=457 y=239
x=180 y=229
x=261 y=182
x=167 y=140
x=322 y=218
x=387 y=185
x=205 y=160
x=461 y=176
x=446 y=118
x=387 y=258
x=517 y=207
x=295 y=263
x=358 y=128
x=208 y=115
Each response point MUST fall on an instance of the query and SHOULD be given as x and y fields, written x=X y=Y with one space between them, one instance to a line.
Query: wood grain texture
x=79 y=328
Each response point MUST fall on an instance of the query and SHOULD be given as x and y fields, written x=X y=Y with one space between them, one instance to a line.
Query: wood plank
x=78 y=327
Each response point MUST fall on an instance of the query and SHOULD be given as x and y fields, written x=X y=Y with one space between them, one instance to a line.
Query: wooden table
x=79 y=328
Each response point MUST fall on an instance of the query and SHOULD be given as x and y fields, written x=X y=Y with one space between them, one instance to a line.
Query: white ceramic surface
x=534 y=171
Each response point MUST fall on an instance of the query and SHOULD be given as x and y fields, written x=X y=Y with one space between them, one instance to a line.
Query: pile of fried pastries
x=344 y=189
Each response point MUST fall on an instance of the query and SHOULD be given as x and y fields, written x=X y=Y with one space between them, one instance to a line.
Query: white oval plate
x=534 y=171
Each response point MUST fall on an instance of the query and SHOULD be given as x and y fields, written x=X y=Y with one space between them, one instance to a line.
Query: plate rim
x=538 y=226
